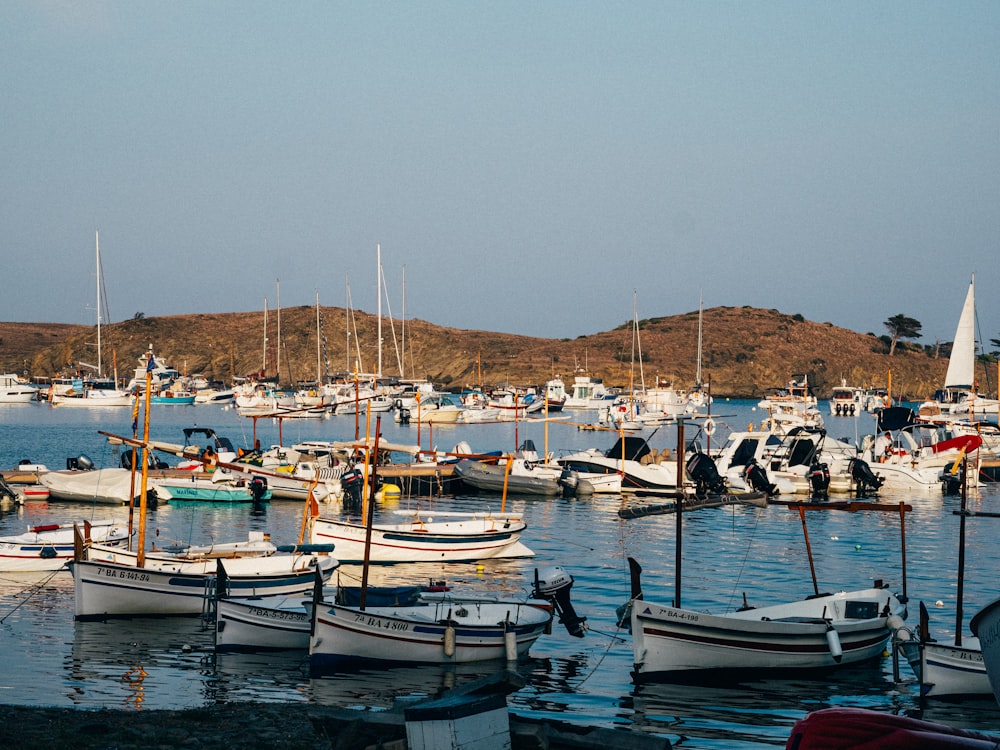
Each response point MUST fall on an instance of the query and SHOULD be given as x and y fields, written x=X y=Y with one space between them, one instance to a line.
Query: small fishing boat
x=50 y=546
x=514 y=475
x=197 y=489
x=465 y=537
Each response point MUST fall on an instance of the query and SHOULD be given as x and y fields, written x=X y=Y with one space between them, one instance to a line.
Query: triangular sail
x=961 y=365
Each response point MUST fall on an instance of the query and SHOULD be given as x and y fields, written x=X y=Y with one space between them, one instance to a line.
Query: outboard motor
x=81 y=462
x=819 y=479
x=553 y=585
x=404 y=414
x=864 y=478
x=258 y=488
x=756 y=477
x=951 y=484
x=353 y=483
x=702 y=469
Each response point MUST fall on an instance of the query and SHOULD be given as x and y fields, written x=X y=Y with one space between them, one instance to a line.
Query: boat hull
x=104 y=590
x=443 y=541
x=345 y=636
x=677 y=644
x=986 y=626
x=267 y=624
x=945 y=670
x=51 y=549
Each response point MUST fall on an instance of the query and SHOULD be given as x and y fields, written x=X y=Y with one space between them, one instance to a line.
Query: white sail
x=961 y=365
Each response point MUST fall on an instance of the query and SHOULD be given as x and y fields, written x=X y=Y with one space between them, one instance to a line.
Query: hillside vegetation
x=746 y=350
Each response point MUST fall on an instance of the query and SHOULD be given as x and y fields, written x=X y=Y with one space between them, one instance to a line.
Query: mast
x=697 y=374
x=263 y=369
x=378 y=287
x=277 y=366
x=402 y=365
x=319 y=365
x=97 y=247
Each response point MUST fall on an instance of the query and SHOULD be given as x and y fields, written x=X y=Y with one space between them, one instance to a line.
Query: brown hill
x=746 y=350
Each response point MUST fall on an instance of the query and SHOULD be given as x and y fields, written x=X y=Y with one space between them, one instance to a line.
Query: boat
x=555 y=394
x=109 y=582
x=217 y=489
x=626 y=458
x=86 y=394
x=943 y=668
x=852 y=728
x=588 y=393
x=13 y=390
x=985 y=625
x=50 y=546
x=435 y=409
x=464 y=537
x=450 y=630
x=823 y=632
x=960 y=394
x=846 y=400
x=512 y=475
x=111 y=486
x=174 y=396
x=277 y=623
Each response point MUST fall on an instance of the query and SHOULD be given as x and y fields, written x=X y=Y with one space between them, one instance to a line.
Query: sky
x=525 y=167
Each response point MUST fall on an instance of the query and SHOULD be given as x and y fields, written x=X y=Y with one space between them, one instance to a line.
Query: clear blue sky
x=529 y=164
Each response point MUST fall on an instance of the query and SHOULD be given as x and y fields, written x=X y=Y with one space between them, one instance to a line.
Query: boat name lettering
x=376 y=622
x=131 y=575
x=686 y=616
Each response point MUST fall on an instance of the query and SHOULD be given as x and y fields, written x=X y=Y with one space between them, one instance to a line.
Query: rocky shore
x=267 y=726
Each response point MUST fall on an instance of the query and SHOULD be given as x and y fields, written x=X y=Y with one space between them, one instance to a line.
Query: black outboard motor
x=553 y=585
x=866 y=481
x=702 y=469
x=353 y=483
x=819 y=479
x=756 y=477
x=951 y=484
x=404 y=415
x=258 y=488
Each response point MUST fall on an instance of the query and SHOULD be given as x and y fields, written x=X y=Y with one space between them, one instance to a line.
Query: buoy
x=939 y=603
x=833 y=643
x=510 y=642
x=449 y=641
x=857 y=546
x=480 y=568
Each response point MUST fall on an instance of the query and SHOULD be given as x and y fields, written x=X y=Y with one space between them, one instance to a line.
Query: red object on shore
x=861 y=729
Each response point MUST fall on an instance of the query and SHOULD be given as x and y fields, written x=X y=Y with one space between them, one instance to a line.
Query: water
x=51 y=660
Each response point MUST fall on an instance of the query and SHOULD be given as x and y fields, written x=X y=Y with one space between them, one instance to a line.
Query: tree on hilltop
x=902 y=327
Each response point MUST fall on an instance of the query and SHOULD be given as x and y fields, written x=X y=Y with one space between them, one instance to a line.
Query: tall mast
x=378 y=287
x=97 y=248
x=402 y=366
x=263 y=369
x=697 y=374
x=319 y=336
x=277 y=366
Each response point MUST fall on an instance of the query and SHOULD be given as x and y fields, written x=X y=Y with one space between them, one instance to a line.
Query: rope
x=31 y=591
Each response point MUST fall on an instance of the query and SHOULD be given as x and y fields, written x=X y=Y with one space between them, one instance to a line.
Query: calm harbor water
x=51 y=660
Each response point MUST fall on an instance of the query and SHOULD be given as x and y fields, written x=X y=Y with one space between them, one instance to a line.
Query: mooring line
x=38 y=586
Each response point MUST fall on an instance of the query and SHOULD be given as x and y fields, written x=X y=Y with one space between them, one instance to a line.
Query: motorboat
x=13 y=390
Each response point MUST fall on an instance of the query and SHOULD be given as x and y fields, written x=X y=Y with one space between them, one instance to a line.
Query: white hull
x=671 y=643
x=267 y=624
x=946 y=670
x=105 y=589
x=468 y=539
x=419 y=634
x=986 y=626
x=111 y=486
x=51 y=549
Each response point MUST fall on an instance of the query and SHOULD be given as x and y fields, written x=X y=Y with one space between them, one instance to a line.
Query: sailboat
x=959 y=394
x=96 y=391
x=112 y=583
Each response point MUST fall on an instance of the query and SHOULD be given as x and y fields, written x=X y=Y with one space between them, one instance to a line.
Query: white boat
x=436 y=410
x=465 y=537
x=625 y=458
x=84 y=396
x=448 y=631
x=588 y=393
x=184 y=585
x=846 y=400
x=13 y=390
x=555 y=394
x=807 y=637
x=50 y=546
x=985 y=625
x=113 y=486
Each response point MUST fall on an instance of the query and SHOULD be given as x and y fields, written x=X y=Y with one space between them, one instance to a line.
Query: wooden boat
x=112 y=486
x=985 y=625
x=108 y=582
x=822 y=632
x=276 y=623
x=465 y=537
x=447 y=631
x=50 y=546
x=947 y=669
